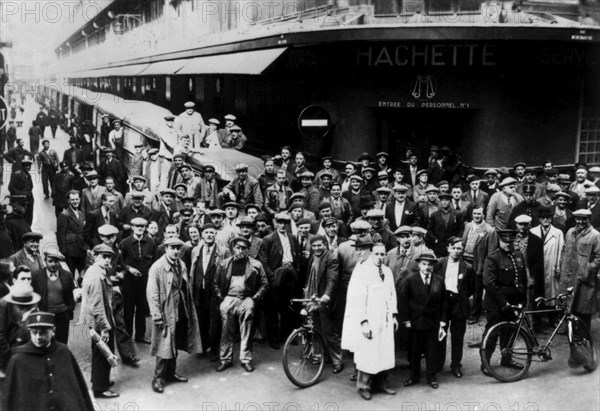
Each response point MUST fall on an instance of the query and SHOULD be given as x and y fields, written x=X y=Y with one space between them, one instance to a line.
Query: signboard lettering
x=3 y=113
x=426 y=55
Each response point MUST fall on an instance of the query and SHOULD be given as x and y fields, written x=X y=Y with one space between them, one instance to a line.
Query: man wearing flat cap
x=55 y=286
x=280 y=257
x=214 y=135
x=240 y=284
x=355 y=192
x=327 y=163
x=208 y=189
x=563 y=216
x=403 y=211
x=278 y=195
x=502 y=203
x=156 y=178
x=91 y=196
x=581 y=181
x=191 y=123
x=29 y=255
x=382 y=163
x=44 y=374
x=135 y=208
x=443 y=224
x=505 y=283
x=590 y=201
x=530 y=179
x=379 y=230
x=243 y=189
x=22 y=184
x=97 y=311
x=475 y=195
x=490 y=186
x=112 y=167
x=580 y=266
x=63 y=183
x=235 y=139
x=340 y=206
x=529 y=206
x=171 y=302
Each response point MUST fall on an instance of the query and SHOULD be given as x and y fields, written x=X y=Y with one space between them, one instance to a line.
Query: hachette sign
x=418 y=55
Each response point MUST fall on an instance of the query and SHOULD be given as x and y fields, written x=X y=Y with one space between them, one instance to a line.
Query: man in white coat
x=370 y=322
x=553 y=240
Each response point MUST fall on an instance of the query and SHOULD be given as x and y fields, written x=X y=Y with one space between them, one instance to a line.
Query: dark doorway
x=420 y=128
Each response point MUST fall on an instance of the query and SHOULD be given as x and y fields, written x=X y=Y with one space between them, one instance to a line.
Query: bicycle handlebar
x=559 y=297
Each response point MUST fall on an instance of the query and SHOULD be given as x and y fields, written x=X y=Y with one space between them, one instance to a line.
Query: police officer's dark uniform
x=505 y=283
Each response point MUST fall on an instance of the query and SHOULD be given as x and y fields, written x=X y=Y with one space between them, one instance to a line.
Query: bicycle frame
x=523 y=323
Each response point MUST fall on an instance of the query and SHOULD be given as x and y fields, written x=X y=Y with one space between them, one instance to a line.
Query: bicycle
x=509 y=347
x=304 y=351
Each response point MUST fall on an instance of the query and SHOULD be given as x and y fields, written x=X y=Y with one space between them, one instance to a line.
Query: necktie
x=457 y=204
x=381 y=274
x=302 y=243
x=427 y=279
x=474 y=196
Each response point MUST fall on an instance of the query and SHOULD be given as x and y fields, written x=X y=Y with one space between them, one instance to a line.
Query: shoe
x=457 y=372
x=434 y=384
x=46 y=197
x=274 y=345
x=143 y=340
x=387 y=391
x=131 y=360
x=474 y=344
x=510 y=363
x=366 y=394
x=106 y=394
x=473 y=320
x=177 y=378
x=354 y=376
x=410 y=382
x=338 y=368
x=485 y=371
x=158 y=386
x=223 y=366
x=247 y=366
x=213 y=358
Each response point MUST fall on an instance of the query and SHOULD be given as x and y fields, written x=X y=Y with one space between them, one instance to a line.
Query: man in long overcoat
x=171 y=303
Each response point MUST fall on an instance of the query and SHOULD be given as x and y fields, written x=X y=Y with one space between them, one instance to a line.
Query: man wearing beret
x=243 y=189
x=97 y=309
x=170 y=298
x=44 y=374
x=321 y=283
x=55 y=286
x=240 y=283
x=311 y=193
x=505 y=283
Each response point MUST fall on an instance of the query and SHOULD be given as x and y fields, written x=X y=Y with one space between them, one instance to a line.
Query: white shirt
x=287 y=248
x=426 y=281
x=398 y=211
x=206 y=256
x=451 y=277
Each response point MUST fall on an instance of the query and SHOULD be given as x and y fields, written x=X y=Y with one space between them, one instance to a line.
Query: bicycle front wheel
x=506 y=352
x=304 y=357
x=582 y=346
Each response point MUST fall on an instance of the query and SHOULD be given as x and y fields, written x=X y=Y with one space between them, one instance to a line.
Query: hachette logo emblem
x=424 y=87
x=3 y=113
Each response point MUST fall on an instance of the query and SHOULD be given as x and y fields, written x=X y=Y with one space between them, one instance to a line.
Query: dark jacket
x=255 y=279
x=422 y=307
x=16 y=227
x=327 y=275
x=94 y=220
x=466 y=287
x=70 y=233
x=412 y=215
x=39 y=282
x=502 y=282
x=438 y=231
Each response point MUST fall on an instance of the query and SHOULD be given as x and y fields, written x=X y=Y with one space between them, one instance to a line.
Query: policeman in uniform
x=505 y=283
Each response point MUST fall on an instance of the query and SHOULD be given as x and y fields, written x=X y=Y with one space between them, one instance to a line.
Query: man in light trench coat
x=171 y=303
x=370 y=321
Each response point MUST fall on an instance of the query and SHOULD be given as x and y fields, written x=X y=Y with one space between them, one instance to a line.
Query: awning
x=248 y=62
x=125 y=71
x=168 y=68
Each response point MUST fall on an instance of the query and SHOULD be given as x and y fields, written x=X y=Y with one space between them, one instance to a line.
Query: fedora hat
x=22 y=294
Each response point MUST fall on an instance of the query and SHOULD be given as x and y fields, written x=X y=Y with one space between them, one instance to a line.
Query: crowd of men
x=209 y=260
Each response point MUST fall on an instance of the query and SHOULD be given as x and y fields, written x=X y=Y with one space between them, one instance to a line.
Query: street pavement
x=548 y=386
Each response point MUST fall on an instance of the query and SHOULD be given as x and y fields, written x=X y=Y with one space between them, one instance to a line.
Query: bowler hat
x=365 y=202
x=426 y=257
x=364 y=240
x=546 y=211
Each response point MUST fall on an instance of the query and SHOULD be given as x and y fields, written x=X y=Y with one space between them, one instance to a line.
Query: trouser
x=54 y=127
x=477 y=297
x=368 y=381
x=457 y=336
x=48 y=174
x=165 y=368
x=135 y=304
x=339 y=309
x=62 y=322
x=76 y=263
x=586 y=318
x=29 y=211
x=493 y=318
x=122 y=337
x=101 y=366
x=235 y=310
x=58 y=210
x=43 y=129
x=324 y=322
x=209 y=321
x=281 y=320
x=424 y=341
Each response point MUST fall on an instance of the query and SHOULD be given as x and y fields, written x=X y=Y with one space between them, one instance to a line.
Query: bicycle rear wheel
x=304 y=357
x=582 y=346
x=506 y=352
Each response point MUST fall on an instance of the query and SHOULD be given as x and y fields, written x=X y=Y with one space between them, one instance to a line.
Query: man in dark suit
x=112 y=167
x=475 y=195
x=459 y=280
x=205 y=259
x=321 y=282
x=279 y=256
x=22 y=184
x=423 y=310
x=402 y=211
x=70 y=234
x=443 y=224
x=99 y=217
x=55 y=287
x=326 y=212
x=163 y=212
x=73 y=155
x=91 y=196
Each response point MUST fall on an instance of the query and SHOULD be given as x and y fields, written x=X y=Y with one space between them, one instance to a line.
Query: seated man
x=239 y=283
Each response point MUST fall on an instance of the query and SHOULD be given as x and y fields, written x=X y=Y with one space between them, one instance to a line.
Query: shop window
x=589 y=136
x=200 y=90
x=387 y=7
